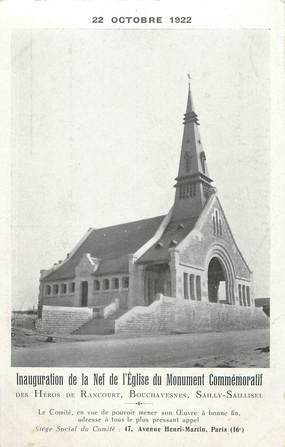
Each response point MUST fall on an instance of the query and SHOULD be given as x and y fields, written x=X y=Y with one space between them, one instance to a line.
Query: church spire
x=193 y=184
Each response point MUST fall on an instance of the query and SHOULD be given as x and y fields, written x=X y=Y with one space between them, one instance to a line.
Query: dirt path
x=215 y=349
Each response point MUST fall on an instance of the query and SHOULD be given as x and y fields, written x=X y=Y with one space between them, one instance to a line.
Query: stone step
x=266 y=309
x=117 y=314
x=100 y=325
x=97 y=326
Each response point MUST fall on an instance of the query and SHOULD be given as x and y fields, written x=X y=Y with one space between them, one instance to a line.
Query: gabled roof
x=112 y=245
x=175 y=232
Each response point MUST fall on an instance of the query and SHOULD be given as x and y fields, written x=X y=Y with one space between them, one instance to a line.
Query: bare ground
x=231 y=349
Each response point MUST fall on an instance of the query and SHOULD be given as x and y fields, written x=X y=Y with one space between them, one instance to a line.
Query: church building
x=188 y=255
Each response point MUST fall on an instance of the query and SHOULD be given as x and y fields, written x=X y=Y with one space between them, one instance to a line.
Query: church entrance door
x=217 y=282
x=84 y=293
x=156 y=280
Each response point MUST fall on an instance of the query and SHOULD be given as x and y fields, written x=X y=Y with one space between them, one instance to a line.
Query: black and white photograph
x=141 y=198
x=142 y=223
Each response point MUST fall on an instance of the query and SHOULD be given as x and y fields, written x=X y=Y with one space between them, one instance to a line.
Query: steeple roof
x=193 y=183
x=192 y=158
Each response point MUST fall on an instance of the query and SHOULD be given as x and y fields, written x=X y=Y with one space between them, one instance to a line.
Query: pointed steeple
x=193 y=184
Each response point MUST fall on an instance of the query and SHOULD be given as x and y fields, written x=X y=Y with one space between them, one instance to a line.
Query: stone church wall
x=166 y=316
x=60 y=297
x=107 y=297
x=66 y=300
x=195 y=252
x=63 y=320
x=68 y=293
x=191 y=292
x=101 y=299
x=199 y=317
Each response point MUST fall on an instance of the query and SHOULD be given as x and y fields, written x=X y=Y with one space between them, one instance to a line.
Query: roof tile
x=112 y=245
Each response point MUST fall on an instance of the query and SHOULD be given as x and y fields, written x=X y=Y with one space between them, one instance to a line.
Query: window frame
x=96 y=285
x=72 y=287
x=115 y=283
x=106 y=281
x=125 y=280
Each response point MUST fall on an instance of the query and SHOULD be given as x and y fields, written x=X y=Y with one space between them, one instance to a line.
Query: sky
x=97 y=130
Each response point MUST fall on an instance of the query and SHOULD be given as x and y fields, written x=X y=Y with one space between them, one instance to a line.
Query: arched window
x=55 y=289
x=198 y=287
x=125 y=282
x=220 y=227
x=115 y=283
x=96 y=284
x=248 y=295
x=185 y=286
x=63 y=289
x=48 y=290
x=106 y=284
x=203 y=159
x=239 y=295
x=192 y=287
x=217 y=224
x=214 y=225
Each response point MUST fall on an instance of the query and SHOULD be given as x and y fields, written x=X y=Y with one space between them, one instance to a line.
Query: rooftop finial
x=189 y=77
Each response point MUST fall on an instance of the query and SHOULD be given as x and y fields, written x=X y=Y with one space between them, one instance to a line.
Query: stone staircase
x=266 y=309
x=100 y=326
x=62 y=320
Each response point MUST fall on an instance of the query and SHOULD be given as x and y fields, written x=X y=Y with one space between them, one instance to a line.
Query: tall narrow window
x=192 y=287
x=55 y=289
x=72 y=287
x=187 y=158
x=185 y=284
x=115 y=283
x=125 y=282
x=203 y=159
x=248 y=295
x=106 y=284
x=48 y=290
x=156 y=289
x=198 y=287
x=189 y=190
x=220 y=227
x=239 y=295
x=214 y=225
x=217 y=223
x=97 y=285
x=63 y=289
x=243 y=296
